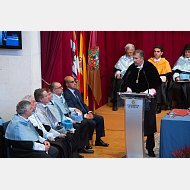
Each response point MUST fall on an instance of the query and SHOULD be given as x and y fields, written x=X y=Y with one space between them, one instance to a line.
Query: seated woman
x=23 y=137
x=181 y=78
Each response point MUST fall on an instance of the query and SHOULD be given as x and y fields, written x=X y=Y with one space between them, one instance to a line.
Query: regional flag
x=75 y=58
x=82 y=67
x=93 y=67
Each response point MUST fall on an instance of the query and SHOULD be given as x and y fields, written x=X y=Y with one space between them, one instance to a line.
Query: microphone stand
x=124 y=81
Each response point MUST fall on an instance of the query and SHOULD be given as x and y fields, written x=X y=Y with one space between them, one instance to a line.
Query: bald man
x=74 y=99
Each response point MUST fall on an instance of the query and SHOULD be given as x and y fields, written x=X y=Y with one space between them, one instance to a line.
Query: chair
x=6 y=144
x=11 y=151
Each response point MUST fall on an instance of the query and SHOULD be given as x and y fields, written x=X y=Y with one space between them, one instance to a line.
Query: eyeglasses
x=59 y=87
x=73 y=81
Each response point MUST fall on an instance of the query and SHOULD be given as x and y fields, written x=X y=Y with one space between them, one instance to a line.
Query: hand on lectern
x=129 y=89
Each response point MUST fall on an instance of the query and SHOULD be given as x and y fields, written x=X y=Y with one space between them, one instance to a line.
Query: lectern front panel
x=134 y=127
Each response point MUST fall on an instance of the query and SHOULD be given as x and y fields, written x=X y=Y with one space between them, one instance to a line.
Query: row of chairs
x=5 y=143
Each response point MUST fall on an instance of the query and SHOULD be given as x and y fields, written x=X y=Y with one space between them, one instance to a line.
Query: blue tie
x=78 y=99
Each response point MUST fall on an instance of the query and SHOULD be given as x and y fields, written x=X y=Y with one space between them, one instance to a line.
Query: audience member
x=74 y=99
x=121 y=67
x=24 y=138
x=47 y=117
x=55 y=138
x=164 y=71
x=82 y=124
x=181 y=78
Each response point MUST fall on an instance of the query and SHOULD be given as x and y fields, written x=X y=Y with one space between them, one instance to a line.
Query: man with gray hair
x=45 y=132
x=142 y=77
x=24 y=138
x=121 y=67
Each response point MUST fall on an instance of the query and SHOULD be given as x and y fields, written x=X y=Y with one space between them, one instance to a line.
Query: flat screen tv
x=10 y=40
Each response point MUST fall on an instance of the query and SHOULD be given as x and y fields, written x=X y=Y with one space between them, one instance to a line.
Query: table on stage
x=174 y=134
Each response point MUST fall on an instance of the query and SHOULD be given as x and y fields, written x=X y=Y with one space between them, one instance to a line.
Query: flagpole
x=93 y=105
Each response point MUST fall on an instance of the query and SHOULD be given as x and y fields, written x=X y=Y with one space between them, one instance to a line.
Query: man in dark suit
x=74 y=99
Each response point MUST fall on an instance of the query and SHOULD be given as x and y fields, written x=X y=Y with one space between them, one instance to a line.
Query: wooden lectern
x=134 y=123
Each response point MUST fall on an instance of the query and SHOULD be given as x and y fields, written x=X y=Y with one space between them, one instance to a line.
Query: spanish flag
x=82 y=68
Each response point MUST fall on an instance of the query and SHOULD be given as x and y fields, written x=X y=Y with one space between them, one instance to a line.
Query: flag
x=93 y=67
x=75 y=59
x=82 y=68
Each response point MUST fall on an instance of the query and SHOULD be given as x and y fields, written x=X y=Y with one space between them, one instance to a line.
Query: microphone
x=146 y=80
x=124 y=80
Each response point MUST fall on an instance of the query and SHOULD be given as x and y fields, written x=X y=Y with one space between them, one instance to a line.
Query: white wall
x=20 y=73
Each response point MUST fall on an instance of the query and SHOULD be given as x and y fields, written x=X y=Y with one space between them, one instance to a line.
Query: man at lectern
x=142 y=77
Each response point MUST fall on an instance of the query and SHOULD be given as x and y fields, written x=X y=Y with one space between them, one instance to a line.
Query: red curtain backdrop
x=56 y=52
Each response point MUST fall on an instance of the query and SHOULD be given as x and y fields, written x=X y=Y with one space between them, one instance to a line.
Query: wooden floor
x=114 y=133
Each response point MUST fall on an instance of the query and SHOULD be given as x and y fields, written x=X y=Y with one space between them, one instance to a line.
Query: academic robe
x=121 y=67
x=65 y=145
x=60 y=143
x=181 y=90
x=62 y=104
x=47 y=118
x=81 y=132
x=21 y=135
x=123 y=64
x=164 y=69
x=148 y=78
x=182 y=65
x=162 y=66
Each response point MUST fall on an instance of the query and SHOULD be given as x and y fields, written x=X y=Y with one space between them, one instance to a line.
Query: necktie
x=78 y=99
x=51 y=118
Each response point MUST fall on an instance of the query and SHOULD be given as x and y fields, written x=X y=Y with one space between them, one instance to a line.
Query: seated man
x=74 y=99
x=55 y=138
x=121 y=67
x=181 y=78
x=23 y=137
x=164 y=71
x=49 y=117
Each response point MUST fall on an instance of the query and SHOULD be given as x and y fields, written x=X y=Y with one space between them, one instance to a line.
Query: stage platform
x=114 y=120
x=114 y=133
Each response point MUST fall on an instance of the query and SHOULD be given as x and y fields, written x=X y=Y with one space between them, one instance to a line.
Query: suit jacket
x=72 y=101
